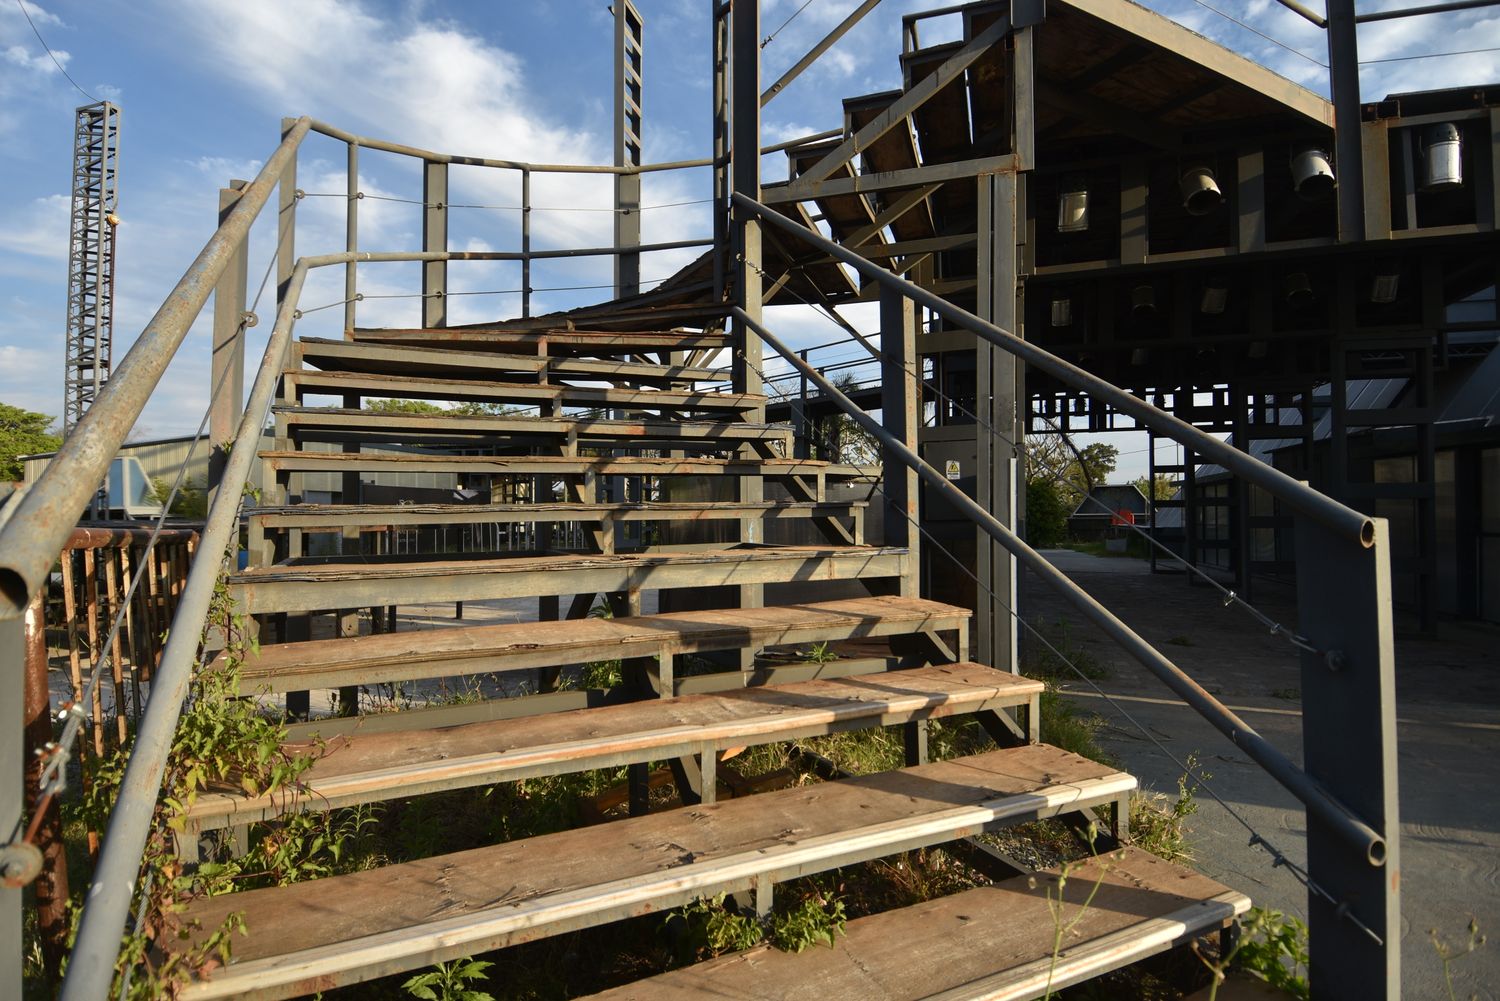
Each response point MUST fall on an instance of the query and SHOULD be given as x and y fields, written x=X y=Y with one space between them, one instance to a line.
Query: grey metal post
x=745 y=179
x=525 y=241
x=286 y=219
x=228 y=360
x=12 y=767
x=1349 y=746
x=1343 y=79
x=900 y=413
x=434 y=238
x=721 y=152
x=351 y=238
x=996 y=459
x=629 y=65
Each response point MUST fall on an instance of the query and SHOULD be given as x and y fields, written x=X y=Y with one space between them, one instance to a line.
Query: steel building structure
x=91 y=257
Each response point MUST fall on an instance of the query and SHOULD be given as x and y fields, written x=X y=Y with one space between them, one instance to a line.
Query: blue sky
x=203 y=85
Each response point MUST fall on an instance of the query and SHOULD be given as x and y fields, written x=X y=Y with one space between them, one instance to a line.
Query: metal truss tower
x=91 y=257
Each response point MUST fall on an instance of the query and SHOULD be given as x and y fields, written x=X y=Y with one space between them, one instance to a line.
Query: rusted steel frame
x=118 y=538
x=1344 y=521
x=91 y=610
x=31 y=540
x=112 y=595
x=1354 y=832
x=70 y=619
x=51 y=885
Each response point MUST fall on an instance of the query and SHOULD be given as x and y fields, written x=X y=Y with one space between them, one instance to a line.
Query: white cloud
x=39 y=230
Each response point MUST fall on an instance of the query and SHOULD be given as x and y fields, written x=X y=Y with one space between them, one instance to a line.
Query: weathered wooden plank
x=553 y=341
x=335 y=517
x=552 y=465
x=412 y=656
x=304 y=422
x=324 y=933
x=362 y=768
x=993 y=943
x=356 y=582
x=352 y=356
x=307 y=382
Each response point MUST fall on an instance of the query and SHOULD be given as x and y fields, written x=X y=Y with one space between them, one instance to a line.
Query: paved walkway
x=1448 y=708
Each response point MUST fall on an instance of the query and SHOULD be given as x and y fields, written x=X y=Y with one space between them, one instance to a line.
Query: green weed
x=449 y=982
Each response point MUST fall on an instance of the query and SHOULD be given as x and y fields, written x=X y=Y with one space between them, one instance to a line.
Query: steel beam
x=901 y=403
x=1349 y=745
x=1343 y=79
x=434 y=240
x=228 y=358
x=629 y=72
x=829 y=40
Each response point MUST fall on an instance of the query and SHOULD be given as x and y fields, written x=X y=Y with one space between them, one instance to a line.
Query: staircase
x=596 y=450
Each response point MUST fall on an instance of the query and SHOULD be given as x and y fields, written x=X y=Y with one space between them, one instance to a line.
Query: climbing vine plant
x=224 y=742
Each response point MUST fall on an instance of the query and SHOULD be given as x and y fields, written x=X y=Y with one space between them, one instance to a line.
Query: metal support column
x=1349 y=745
x=1343 y=78
x=435 y=238
x=351 y=239
x=901 y=389
x=998 y=373
x=229 y=342
x=629 y=64
x=745 y=180
x=12 y=766
x=286 y=219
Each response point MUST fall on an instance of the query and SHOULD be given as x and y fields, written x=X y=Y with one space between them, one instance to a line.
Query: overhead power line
x=27 y=14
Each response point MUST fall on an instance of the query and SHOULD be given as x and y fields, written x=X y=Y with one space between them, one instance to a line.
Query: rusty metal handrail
x=33 y=537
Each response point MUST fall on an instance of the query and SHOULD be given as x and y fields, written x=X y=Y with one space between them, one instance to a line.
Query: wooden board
x=301 y=420
x=320 y=934
x=363 y=768
x=358 y=582
x=336 y=517
x=310 y=382
x=411 y=656
x=552 y=465
x=993 y=943
x=596 y=343
x=400 y=359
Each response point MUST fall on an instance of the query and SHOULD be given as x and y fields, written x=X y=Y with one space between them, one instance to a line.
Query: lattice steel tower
x=91 y=257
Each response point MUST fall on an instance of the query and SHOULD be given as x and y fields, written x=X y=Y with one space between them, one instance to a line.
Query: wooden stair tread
x=561 y=465
x=338 y=515
x=992 y=942
x=493 y=338
x=402 y=359
x=319 y=934
x=333 y=418
x=433 y=653
x=357 y=582
x=374 y=384
x=361 y=767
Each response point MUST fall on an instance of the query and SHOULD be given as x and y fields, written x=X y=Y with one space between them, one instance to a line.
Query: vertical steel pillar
x=629 y=66
x=745 y=180
x=525 y=241
x=1349 y=745
x=351 y=238
x=721 y=151
x=286 y=220
x=434 y=238
x=1343 y=78
x=228 y=360
x=900 y=409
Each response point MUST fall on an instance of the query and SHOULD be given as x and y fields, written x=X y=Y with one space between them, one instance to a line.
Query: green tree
x=1046 y=517
x=1051 y=459
x=23 y=432
x=1162 y=489
x=839 y=438
x=403 y=407
x=191 y=501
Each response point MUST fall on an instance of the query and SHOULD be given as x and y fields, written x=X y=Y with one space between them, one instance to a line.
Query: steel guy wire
x=1262 y=34
x=1257 y=840
x=772 y=36
x=51 y=55
x=1230 y=597
x=1430 y=55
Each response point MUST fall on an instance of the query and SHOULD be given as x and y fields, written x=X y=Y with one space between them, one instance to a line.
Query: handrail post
x=901 y=402
x=525 y=241
x=286 y=220
x=229 y=341
x=434 y=240
x=745 y=178
x=1349 y=745
x=629 y=68
x=351 y=238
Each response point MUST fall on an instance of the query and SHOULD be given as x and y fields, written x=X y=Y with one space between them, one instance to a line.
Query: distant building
x=1111 y=505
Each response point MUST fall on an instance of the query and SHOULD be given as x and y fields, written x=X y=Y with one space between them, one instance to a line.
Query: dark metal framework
x=91 y=257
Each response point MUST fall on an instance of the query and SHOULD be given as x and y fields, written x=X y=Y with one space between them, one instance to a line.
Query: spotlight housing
x=1062 y=312
x=1385 y=287
x=1298 y=289
x=1143 y=300
x=1312 y=174
x=1442 y=157
x=1200 y=192
x=1215 y=297
x=1073 y=208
